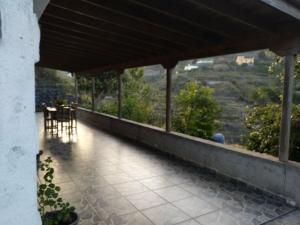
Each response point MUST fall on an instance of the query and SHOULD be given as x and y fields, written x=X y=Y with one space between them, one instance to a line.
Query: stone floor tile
x=157 y=182
x=165 y=214
x=118 y=178
x=130 y=188
x=173 y=193
x=195 y=206
x=146 y=200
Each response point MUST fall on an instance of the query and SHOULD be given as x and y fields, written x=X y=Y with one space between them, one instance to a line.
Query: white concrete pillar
x=19 y=50
x=287 y=102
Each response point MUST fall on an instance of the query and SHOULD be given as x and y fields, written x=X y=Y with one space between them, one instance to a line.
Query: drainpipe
x=285 y=129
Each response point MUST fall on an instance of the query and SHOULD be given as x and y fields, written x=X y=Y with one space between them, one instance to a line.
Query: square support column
x=93 y=93
x=120 y=92
x=76 y=86
x=287 y=102
x=169 y=70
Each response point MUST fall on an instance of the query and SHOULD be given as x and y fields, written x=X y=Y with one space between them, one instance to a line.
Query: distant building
x=240 y=60
x=205 y=61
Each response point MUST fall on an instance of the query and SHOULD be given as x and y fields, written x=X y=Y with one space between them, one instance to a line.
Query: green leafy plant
x=196 y=111
x=49 y=200
x=263 y=124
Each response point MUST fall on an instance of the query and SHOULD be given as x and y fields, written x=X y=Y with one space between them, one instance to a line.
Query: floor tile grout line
x=284 y=214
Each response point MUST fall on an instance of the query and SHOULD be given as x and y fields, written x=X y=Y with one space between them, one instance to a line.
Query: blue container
x=219 y=138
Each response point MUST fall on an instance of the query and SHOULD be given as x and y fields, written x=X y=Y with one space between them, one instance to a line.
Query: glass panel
x=106 y=97
x=53 y=86
x=295 y=128
x=220 y=98
x=85 y=92
x=144 y=95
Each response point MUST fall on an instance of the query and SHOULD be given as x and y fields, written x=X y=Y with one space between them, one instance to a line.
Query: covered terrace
x=88 y=37
x=130 y=173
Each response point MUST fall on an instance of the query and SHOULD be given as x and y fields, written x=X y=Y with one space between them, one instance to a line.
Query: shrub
x=196 y=111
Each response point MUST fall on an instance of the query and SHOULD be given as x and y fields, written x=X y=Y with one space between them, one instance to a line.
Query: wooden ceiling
x=89 y=36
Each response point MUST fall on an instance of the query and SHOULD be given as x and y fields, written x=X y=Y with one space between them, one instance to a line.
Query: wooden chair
x=63 y=116
x=73 y=107
x=47 y=117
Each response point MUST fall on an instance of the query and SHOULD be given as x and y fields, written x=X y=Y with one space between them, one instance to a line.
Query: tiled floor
x=114 y=182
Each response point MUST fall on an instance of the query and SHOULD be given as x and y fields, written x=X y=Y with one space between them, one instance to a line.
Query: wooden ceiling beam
x=82 y=46
x=185 y=13
x=228 y=11
x=110 y=38
x=81 y=36
x=95 y=45
x=284 y=7
x=73 y=30
x=159 y=19
x=125 y=22
x=80 y=51
x=109 y=29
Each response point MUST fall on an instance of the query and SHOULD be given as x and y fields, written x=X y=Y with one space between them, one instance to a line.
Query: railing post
x=93 y=92
x=169 y=69
x=76 y=87
x=120 y=92
x=287 y=102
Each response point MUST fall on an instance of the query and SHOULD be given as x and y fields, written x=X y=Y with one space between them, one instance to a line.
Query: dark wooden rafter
x=228 y=11
x=85 y=47
x=186 y=12
x=161 y=20
x=125 y=22
x=94 y=44
x=70 y=30
x=107 y=37
x=284 y=6
x=109 y=29
x=65 y=47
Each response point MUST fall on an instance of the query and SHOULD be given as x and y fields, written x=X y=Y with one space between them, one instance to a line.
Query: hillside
x=233 y=84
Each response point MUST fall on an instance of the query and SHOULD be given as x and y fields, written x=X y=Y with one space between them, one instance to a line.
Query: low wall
x=259 y=170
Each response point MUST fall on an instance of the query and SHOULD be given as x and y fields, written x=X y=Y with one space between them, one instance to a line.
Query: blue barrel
x=219 y=138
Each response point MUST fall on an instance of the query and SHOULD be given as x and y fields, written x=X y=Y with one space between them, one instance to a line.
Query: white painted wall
x=19 y=50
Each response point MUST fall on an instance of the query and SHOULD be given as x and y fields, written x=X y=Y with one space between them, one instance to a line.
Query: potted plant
x=53 y=210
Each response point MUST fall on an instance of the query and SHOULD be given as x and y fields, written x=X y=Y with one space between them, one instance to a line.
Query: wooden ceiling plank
x=100 y=38
x=230 y=12
x=103 y=35
x=83 y=36
x=124 y=22
x=83 y=46
x=284 y=7
x=118 y=32
x=158 y=19
x=97 y=45
x=192 y=17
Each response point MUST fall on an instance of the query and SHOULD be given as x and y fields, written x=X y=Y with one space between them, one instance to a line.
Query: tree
x=263 y=123
x=263 y=120
x=196 y=111
x=139 y=98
